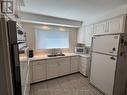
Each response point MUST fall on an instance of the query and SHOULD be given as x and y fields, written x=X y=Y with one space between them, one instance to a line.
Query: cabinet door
x=31 y=72
x=83 y=66
x=100 y=28
x=64 y=66
x=88 y=35
x=74 y=64
x=52 y=68
x=103 y=69
x=81 y=34
x=116 y=25
x=39 y=72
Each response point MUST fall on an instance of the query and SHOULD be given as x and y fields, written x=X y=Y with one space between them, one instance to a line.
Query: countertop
x=84 y=55
x=44 y=56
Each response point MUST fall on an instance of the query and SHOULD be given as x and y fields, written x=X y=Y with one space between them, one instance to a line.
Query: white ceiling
x=72 y=9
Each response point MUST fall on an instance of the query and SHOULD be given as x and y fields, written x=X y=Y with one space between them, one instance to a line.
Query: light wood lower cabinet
x=55 y=67
x=58 y=67
x=38 y=71
x=84 y=66
x=75 y=64
x=52 y=68
x=64 y=66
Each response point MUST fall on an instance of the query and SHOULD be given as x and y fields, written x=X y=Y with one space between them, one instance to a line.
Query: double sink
x=55 y=55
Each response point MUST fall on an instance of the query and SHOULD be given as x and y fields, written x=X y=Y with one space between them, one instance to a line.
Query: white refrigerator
x=109 y=64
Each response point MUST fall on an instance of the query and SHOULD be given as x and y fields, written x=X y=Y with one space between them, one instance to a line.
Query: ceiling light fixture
x=45 y=27
x=62 y=29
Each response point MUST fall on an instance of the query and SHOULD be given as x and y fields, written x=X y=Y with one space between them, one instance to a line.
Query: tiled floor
x=75 y=84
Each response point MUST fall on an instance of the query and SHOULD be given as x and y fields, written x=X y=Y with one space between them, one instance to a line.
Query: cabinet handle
x=113 y=49
x=113 y=58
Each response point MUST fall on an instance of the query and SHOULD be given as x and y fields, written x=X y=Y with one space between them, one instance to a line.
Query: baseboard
x=54 y=78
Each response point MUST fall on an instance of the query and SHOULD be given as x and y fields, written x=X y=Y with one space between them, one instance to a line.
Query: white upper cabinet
x=88 y=35
x=100 y=28
x=81 y=34
x=113 y=26
x=116 y=25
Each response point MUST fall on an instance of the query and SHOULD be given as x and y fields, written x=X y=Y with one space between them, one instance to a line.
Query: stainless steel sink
x=55 y=55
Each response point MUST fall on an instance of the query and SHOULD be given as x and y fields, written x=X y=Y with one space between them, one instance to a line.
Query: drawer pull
x=113 y=58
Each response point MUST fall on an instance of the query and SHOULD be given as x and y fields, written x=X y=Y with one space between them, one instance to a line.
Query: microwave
x=80 y=50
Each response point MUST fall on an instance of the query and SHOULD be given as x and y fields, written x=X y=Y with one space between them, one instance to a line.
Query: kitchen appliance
x=80 y=50
x=31 y=54
x=109 y=64
x=17 y=45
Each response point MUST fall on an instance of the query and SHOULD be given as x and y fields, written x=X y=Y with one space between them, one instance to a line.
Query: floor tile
x=74 y=84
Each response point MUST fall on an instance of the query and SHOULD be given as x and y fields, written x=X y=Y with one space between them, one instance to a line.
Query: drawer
x=55 y=60
x=83 y=65
x=64 y=59
x=38 y=62
x=83 y=59
x=75 y=58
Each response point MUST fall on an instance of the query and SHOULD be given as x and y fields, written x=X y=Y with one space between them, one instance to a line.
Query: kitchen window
x=51 y=38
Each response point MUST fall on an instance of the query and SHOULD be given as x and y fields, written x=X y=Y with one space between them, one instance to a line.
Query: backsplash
x=50 y=51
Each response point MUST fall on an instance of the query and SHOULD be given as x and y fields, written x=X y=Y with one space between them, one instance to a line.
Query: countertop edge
x=46 y=58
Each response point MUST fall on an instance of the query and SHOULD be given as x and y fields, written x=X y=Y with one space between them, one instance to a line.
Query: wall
x=29 y=28
x=110 y=14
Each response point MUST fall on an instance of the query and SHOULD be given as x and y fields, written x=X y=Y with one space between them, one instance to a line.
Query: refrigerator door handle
x=113 y=50
x=113 y=58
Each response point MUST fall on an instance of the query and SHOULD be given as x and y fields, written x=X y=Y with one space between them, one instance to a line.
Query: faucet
x=53 y=51
x=61 y=51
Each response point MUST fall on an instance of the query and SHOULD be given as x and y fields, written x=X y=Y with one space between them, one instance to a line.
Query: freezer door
x=107 y=44
x=103 y=72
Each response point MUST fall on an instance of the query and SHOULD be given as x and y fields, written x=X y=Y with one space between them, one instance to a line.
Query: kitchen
x=50 y=52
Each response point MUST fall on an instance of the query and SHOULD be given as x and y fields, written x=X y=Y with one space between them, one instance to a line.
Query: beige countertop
x=84 y=55
x=40 y=56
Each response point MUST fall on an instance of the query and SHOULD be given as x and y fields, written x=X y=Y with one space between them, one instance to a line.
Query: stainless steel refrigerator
x=109 y=64
x=14 y=42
